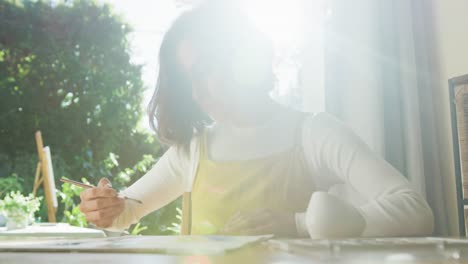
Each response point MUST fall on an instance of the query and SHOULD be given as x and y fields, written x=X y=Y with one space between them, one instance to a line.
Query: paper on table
x=370 y=243
x=144 y=244
x=376 y=250
x=52 y=230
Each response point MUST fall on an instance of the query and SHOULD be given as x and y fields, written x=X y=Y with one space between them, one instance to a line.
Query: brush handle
x=81 y=184
x=88 y=186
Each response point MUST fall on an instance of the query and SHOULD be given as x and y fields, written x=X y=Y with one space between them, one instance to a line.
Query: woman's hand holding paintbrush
x=101 y=204
x=88 y=186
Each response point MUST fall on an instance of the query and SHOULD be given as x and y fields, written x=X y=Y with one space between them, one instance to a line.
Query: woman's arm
x=166 y=181
x=392 y=207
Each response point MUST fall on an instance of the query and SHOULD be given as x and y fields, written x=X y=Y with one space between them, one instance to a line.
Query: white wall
x=451 y=28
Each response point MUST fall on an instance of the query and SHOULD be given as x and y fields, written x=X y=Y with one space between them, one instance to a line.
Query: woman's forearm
x=161 y=185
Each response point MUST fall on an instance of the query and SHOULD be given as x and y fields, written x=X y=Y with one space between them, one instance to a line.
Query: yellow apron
x=279 y=182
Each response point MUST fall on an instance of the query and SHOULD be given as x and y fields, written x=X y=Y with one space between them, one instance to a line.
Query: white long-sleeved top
x=337 y=160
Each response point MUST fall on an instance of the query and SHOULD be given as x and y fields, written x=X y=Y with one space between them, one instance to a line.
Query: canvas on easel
x=45 y=176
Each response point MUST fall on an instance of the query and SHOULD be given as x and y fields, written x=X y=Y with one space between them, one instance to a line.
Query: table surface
x=275 y=251
x=52 y=229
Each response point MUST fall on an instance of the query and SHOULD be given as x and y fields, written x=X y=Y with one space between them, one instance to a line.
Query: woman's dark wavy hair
x=220 y=33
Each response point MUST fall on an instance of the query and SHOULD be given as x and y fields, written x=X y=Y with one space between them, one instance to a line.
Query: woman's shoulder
x=182 y=156
x=318 y=126
x=188 y=151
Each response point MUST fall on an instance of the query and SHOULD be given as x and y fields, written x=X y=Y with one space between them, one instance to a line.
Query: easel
x=43 y=168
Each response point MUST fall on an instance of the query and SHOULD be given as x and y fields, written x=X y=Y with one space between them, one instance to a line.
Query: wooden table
x=276 y=251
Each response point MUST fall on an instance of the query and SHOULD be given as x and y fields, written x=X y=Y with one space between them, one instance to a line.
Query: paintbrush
x=87 y=186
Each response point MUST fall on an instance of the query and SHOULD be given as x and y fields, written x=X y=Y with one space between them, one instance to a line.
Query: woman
x=250 y=164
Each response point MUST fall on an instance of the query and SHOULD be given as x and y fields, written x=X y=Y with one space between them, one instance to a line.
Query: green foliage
x=176 y=226
x=137 y=229
x=140 y=168
x=65 y=70
x=69 y=199
x=10 y=183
